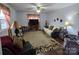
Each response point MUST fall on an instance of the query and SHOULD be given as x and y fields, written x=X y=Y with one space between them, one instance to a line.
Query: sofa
x=71 y=44
x=49 y=29
x=55 y=32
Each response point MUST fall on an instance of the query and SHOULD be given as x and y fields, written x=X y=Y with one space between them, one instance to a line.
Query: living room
x=46 y=28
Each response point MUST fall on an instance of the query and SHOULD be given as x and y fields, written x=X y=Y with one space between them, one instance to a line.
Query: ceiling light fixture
x=38 y=11
x=38 y=8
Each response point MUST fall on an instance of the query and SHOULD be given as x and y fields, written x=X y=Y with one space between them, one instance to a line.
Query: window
x=4 y=17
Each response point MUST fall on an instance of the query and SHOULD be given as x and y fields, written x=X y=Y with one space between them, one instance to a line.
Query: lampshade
x=66 y=23
x=12 y=25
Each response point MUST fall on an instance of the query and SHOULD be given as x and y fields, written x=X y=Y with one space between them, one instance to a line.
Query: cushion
x=51 y=27
x=6 y=40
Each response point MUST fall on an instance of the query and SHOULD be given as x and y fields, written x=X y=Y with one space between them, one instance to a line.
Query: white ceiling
x=48 y=6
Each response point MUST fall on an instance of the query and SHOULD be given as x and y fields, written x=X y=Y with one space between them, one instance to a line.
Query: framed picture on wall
x=61 y=20
x=57 y=19
x=54 y=20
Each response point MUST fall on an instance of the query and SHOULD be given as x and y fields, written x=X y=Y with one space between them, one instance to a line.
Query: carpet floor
x=37 y=38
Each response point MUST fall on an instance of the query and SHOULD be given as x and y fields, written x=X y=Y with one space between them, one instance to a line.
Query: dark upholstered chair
x=8 y=48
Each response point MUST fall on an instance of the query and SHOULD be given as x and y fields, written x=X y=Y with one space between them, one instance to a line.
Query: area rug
x=41 y=42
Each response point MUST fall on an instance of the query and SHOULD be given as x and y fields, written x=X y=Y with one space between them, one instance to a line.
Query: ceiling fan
x=38 y=7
